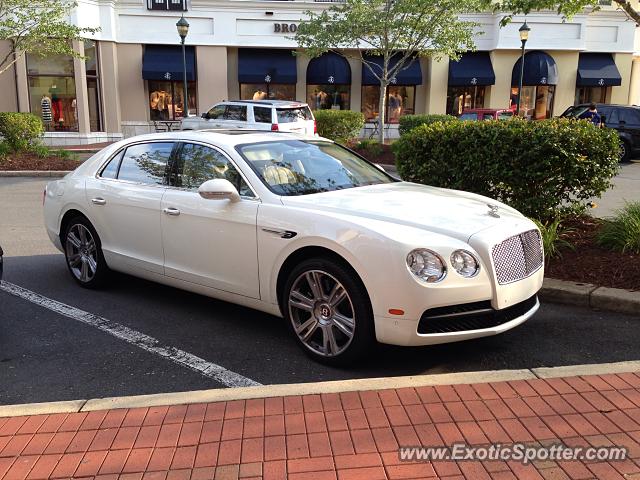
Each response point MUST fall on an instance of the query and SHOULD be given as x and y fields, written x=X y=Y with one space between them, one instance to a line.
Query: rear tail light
x=315 y=127
x=274 y=127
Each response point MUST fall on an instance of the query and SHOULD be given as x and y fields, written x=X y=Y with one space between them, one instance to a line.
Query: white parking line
x=139 y=339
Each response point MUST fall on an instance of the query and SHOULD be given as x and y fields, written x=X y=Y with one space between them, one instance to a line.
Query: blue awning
x=473 y=68
x=539 y=69
x=266 y=66
x=597 y=70
x=164 y=62
x=330 y=68
x=410 y=75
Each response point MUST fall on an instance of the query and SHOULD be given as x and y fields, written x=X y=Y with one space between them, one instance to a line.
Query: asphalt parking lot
x=60 y=342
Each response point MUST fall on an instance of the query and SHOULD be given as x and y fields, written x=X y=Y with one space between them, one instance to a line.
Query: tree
x=567 y=8
x=40 y=27
x=398 y=31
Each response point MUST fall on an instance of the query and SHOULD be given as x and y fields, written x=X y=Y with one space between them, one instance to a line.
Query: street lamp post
x=183 y=31
x=524 y=36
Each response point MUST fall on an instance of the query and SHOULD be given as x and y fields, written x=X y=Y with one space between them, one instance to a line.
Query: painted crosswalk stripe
x=133 y=337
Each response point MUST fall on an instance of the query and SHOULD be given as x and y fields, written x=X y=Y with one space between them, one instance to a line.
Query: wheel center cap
x=324 y=312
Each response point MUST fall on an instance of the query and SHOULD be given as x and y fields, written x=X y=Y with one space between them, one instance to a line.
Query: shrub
x=21 y=131
x=622 y=232
x=545 y=169
x=409 y=122
x=339 y=125
x=370 y=146
x=553 y=238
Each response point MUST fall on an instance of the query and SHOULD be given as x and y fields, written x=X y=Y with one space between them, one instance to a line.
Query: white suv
x=274 y=115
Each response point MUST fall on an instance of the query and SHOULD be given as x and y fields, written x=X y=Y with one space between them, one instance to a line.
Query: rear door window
x=292 y=115
x=146 y=163
x=262 y=114
x=630 y=116
x=468 y=116
x=236 y=113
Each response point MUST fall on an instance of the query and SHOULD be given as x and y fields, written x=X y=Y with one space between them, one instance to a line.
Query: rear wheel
x=329 y=312
x=83 y=252
x=625 y=151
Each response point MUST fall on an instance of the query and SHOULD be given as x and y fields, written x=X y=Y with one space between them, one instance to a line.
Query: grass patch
x=554 y=238
x=622 y=231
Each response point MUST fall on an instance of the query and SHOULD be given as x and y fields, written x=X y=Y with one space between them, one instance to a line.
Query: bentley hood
x=449 y=212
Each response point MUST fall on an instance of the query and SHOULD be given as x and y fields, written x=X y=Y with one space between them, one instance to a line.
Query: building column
x=22 y=84
x=355 y=95
x=109 y=91
x=302 y=62
x=436 y=86
x=233 y=85
x=499 y=94
x=634 y=92
x=82 y=99
x=212 y=76
x=565 y=93
x=622 y=94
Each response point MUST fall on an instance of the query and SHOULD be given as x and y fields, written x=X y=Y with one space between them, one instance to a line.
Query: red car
x=487 y=114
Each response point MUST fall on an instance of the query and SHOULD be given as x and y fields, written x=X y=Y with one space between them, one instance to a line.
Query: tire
x=340 y=310
x=83 y=253
x=625 y=151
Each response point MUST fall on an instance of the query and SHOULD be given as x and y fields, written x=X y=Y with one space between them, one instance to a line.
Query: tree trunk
x=629 y=10
x=381 y=109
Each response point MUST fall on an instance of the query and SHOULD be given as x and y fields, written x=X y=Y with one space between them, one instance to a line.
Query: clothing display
x=45 y=106
x=159 y=101
x=260 y=95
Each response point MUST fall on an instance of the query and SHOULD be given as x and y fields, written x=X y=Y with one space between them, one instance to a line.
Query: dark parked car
x=623 y=118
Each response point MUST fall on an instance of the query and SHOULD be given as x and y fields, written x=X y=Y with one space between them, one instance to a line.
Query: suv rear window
x=468 y=116
x=291 y=115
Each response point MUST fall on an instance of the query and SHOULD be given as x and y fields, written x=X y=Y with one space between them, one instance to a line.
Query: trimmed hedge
x=409 y=122
x=339 y=125
x=544 y=169
x=21 y=131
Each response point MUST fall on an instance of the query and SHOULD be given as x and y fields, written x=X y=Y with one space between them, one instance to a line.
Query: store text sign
x=285 y=27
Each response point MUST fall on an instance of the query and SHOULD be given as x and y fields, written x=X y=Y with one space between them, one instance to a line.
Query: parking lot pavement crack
x=134 y=337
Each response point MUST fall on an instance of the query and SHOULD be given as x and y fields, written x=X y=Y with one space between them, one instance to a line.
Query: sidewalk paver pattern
x=345 y=436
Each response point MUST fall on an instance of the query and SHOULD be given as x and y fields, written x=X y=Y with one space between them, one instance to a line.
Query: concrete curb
x=33 y=173
x=587 y=295
x=266 y=391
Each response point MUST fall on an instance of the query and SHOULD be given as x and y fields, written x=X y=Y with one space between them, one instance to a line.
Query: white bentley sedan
x=301 y=228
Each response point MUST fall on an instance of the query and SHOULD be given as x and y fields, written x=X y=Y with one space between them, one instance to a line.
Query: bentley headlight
x=465 y=263
x=428 y=266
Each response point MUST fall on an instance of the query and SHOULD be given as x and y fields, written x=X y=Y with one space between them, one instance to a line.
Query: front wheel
x=625 y=151
x=83 y=252
x=329 y=312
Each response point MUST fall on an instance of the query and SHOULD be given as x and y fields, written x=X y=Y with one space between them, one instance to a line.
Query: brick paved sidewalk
x=346 y=436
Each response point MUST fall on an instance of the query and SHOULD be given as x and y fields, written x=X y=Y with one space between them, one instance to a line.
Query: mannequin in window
x=159 y=103
x=259 y=94
x=45 y=106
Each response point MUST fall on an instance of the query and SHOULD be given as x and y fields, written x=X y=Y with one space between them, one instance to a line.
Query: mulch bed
x=28 y=161
x=590 y=263
x=385 y=158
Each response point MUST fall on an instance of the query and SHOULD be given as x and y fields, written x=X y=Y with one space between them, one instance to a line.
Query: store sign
x=285 y=27
x=601 y=82
x=179 y=5
x=474 y=81
x=543 y=81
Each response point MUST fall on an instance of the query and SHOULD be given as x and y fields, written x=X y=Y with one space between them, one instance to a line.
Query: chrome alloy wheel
x=322 y=313
x=82 y=254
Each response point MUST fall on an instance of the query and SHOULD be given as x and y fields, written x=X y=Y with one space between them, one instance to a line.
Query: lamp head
x=183 y=27
x=524 y=31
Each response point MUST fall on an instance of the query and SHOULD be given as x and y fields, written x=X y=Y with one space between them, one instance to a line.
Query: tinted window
x=487 y=116
x=468 y=116
x=145 y=163
x=111 y=170
x=236 y=112
x=216 y=112
x=262 y=114
x=291 y=115
x=505 y=115
x=197 y=163
x=611 y=116
x=630 y=116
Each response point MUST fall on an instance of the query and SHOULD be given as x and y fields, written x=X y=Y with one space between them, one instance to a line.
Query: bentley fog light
x=426 y=265
x=465 y=263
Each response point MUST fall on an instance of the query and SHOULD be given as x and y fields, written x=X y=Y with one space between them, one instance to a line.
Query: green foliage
x=545 y=169
x=554 y=237
x=5 y=150
x=40 y=27
x=21 y=131
x=339 y=125
x=622 y=232
x=409 y=122
x=370 y=146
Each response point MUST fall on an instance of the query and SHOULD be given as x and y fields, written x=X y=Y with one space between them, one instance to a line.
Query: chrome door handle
x=171 y=211
x=98 y=201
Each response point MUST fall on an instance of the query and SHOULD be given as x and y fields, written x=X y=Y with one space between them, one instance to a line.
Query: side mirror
x=205 y=115
x=219 y=189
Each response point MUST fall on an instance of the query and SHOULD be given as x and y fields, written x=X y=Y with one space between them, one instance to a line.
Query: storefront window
x=267 y=91
x=592 y=94
x=460 y=99
x=93 y=85
x=325 y=97
x=400 y=101
x=166 y=100
x=52 y=91
x=536 y=102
